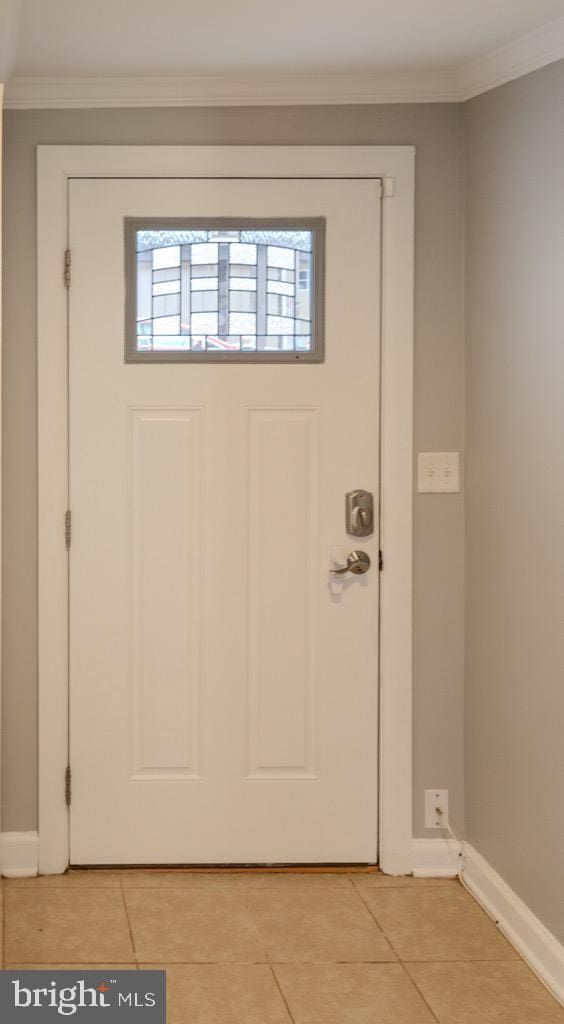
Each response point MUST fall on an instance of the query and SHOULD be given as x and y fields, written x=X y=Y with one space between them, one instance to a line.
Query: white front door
x=223 y=690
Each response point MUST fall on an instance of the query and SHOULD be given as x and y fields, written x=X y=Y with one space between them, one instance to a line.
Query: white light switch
x=438 y=472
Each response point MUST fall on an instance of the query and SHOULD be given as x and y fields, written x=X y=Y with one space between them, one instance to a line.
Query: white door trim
x=1 y=357
x=56 y=164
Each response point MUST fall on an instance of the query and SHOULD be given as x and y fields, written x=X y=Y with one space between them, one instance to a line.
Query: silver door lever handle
x=358 y=562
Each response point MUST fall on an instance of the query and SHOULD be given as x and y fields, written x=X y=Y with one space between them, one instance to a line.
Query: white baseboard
x=539 y=947
x=19 y=854
x=436 y=858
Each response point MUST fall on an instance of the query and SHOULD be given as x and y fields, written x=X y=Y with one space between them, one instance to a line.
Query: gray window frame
x=314 y=224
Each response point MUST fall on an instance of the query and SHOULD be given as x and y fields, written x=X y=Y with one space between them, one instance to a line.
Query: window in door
x=224 y=290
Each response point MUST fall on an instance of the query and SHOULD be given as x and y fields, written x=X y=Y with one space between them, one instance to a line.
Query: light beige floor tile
x=258 y=881
x=437 y=924
x=222 y=994
x=182 y=926
x=502 y=993
x=308 y=927
x=351 y=994
x=71 y=879
x=379 y=881
x=70 y=926
x=212 y=881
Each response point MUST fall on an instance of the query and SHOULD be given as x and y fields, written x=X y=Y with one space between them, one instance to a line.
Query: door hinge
x=68 y=785
x=380 y=560
x=67 y=268
x=68 y=528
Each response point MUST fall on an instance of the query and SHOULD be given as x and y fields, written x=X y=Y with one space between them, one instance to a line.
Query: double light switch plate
x=438 y=472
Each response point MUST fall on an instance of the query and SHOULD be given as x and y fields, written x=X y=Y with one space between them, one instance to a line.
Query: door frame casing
x=395 y=165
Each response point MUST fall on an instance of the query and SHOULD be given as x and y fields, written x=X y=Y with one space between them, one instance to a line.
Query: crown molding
x=219 y=91
x=528 y=53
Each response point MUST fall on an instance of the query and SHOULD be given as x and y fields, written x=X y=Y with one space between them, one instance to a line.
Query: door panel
x=223 y=690
x=165 y=458
x=283 y=502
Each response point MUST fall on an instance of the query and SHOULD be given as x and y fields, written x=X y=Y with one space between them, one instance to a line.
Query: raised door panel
x=164 y=593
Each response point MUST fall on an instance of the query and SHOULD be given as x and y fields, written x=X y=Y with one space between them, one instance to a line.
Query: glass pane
x=242 y=323
x=227 y=343
x=242 y=253
x=169 y=257
x=168 y=343
x=281 y=287
x=278 y=257
x=144 y=291
x=224 y=289
x=202 y=284
x=204 y=253
x=281 y=305
x=166 y=325
x=166 y=287
x=280 y=325
x=165 y=306
x=223 y=235
x=303 y=293
x=244 y=284
x=149 y=240
x=204 y=270
x=289 y=239
x=242 y=302
x=240 y=270
x=170 y=274
x=278 y=274
x=203 y=302
x=204 y=323
x=276 y=343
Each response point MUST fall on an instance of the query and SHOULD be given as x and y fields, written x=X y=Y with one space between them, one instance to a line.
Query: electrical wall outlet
x=436 y=808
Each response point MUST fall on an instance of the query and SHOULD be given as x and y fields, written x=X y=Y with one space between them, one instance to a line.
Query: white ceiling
x=176 y=37
x=177 y=52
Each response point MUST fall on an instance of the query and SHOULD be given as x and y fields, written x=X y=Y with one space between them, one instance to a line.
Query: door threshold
x=312 y=869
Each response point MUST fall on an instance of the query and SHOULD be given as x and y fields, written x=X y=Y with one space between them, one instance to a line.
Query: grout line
x=160 y=965
x=62 y=887
x=269 y=963
x=278 y=963
x=423 y=997
x=508 y=960
x=122 y=890
x=249 y=915
x=283 y=997
x=376 y=921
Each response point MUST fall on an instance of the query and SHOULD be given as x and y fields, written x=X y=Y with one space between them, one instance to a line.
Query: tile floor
x=267 y=948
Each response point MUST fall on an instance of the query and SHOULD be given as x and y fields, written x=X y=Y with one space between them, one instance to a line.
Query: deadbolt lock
x=359 y=508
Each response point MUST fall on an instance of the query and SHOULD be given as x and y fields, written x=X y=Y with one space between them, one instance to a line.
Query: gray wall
x=515 y=487
x=437 y=132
